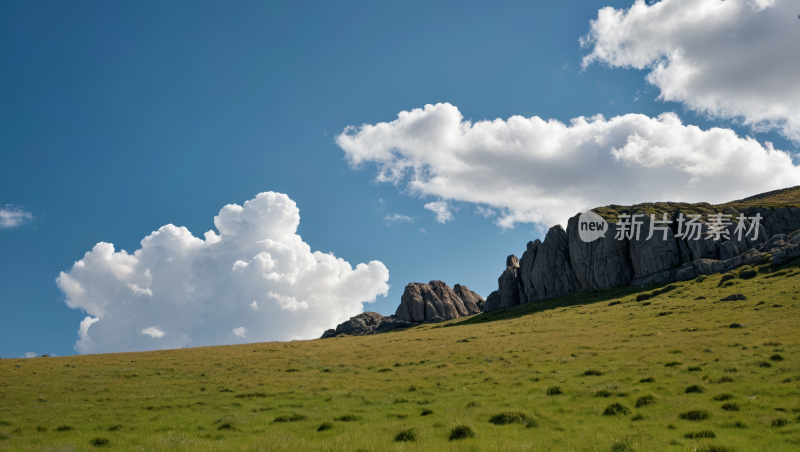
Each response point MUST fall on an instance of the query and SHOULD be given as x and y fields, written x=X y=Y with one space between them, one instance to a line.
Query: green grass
x=332 y=395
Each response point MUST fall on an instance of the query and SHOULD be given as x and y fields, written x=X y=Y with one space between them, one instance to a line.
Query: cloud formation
x=11 y=216
x=442 y=211
x=731 y=59
x=253 y=280
x=390 y=219
x=538 y=171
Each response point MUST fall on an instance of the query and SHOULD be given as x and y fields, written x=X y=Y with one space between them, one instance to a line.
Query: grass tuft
x=700 y=434
x=461 y=432
x=616 y=409
x=695 y=389
x=513 y=417
x=554 y=390
x=694 y=415
x=730 y=406
x=645 y=400
x=325 y=426
x=406 y=435
x=347 y=418
x=98 y=442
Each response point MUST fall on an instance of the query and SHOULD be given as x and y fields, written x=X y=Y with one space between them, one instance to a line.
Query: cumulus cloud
x=254 y=275
x=397 y=217
x=11 y=216
x=485 y=212
x=152 y=332
x=422 y=230
x=30 y=355
x=442 y=211
x=538 y=171
x=731 y=59
x=239 y=332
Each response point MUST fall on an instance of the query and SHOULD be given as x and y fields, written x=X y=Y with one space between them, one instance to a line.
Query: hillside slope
x=593 y=371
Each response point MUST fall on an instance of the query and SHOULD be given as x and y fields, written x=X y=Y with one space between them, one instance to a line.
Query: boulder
x=708 y=266
x=492 y=302
x=781 y=220
x=785 y=254
x=662 y=277
x=551 y=273
x=686 y=274
x=777 y=241
x=728 y=250
x=472 y=301
x=450 y=300
x=654 y=255
x=422 y=302
x=366 y=323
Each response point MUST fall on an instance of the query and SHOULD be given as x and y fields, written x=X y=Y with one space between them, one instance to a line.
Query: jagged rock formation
x=367 y=323
x=563 y=263
x=420 y=303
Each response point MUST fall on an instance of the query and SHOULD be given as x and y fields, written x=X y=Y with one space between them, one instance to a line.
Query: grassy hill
x=784 y=198
x=594 y=371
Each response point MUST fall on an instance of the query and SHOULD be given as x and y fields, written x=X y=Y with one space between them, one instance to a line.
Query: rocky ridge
x=563 y=264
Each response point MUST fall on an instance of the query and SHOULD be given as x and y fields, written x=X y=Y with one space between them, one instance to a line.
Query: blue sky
x=120 y=118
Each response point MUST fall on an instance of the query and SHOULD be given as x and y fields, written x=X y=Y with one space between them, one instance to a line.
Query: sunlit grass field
x=595 y=371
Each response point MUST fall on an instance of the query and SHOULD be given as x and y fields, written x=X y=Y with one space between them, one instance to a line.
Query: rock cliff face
x=420 y=303
x=563 y=263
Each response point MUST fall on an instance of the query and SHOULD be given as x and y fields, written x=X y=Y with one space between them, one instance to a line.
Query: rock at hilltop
x=601 y=263
x=422 y=302
x=366 y=323
x=472 y=302
x=547 y=271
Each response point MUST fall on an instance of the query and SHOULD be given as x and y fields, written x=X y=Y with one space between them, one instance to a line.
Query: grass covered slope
x=594 y=371
x=784 y=198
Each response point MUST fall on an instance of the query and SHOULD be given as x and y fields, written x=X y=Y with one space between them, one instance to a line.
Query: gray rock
x=708 y=266
x=421 y=302
x=737 y=325
x=785 y=254
x=508 y=289
x=654 y=255
x=728 y=250
x=666 y=276
x=686 y=274
x=551 y=273
x=735 y=297
x=472 y=301
x=391 y=323
x=492 y=302
x=512 y=261
x=794 y=235
x=702 y=247
x=750 y=256
x=781 y=220
x=526 y=269
x=601 y=263
x=777 y=241
x=453 y=306
x=328 y=333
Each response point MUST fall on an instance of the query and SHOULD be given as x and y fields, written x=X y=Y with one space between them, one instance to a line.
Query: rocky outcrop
x=420 y=303
x=601 y=263
x=366 y=323
x=563 y=263
x=510 y=288
x=550 y=273
x=472 y=302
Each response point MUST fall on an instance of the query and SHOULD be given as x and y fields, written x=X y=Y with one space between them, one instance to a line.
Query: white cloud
x=485 y=212
x=422 y=230
x=442 y=211
x=239 y=332
x=730 y=59
x=11 y=216
x=199 y=290
x=540 y=171
x=31 y=355
x=152 y=332
x=397 y=217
